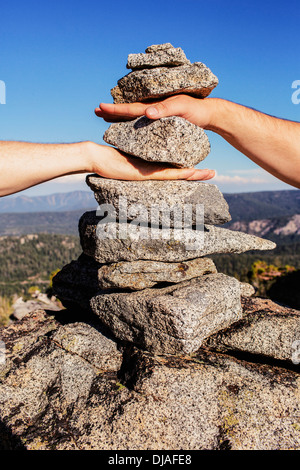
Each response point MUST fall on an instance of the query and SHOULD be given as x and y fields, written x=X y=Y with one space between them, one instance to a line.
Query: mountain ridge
x=273 y=214
x=57 y=202
x=243 y=206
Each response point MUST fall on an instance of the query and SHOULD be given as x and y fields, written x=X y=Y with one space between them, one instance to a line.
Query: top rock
x=159 y=47
x=161 y=55
x=140 y=85
x=163 y=71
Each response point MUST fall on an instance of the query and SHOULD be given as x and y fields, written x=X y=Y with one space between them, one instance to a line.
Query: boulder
x=55 y=394
x=134 y=275
x=174 y=319
x=171 y=140
x=149 y=84
x=157 y=57
x=268 y=330
x=159 y=47
x=110 y=242
x=163 y=195
x=137 y=275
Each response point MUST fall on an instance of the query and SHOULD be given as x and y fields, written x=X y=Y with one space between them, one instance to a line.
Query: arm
x=23 y=164
x=272 y=143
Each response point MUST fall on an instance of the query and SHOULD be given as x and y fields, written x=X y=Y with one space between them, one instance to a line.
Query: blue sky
x=59 y=59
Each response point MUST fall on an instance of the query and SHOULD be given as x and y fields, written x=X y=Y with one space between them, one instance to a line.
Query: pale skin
x=270 y=142
x=23 y=165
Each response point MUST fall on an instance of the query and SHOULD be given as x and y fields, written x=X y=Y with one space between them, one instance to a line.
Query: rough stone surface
x=171 y=319
x=268 y=329
x=162 y=194
x=138 y=275
x=148 y=84
x=247 y=289
x=174 y=319
x=159 y=47
x=90 y=344
x=78 y=338
x=54 y=399
x=236 y=404
x=138 y=244
x=134 y=275
x=171 y=140
x=168 y=57
x=77 y=282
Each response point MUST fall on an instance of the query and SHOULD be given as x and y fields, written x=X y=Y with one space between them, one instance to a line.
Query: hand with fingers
x=111 y=163
x=197 y=111
x=270 y=142
x=135 y=168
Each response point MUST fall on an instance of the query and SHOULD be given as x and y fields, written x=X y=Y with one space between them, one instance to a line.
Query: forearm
x=272 y=143
x=25 y=164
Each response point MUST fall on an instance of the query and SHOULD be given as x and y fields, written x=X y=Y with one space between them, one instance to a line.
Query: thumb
x=160 y=110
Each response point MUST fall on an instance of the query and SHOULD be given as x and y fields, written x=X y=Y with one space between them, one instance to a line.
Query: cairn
x=144 y=270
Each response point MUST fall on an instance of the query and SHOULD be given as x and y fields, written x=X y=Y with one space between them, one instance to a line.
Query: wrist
x=215 y=111
x=88 y=151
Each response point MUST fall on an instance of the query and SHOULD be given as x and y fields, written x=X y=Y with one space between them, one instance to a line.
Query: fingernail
x=152 y=112
x=210 y=174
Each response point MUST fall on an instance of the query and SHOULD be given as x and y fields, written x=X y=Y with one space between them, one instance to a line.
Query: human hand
x=197 y=111
x=110 y=163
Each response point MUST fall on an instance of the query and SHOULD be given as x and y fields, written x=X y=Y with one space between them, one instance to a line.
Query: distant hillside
x=270 y=214
x=29 y=260
x=71 y=201
x=279 y=229
x=65 y=223
x=243 y=206
x=263 y=204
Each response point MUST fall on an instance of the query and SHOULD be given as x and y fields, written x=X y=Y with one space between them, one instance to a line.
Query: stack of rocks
x=144 y=269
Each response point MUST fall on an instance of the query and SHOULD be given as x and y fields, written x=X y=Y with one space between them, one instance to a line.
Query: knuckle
x=163 y=107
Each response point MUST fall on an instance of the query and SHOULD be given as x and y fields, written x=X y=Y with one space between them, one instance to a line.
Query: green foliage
x=274 y=274
x=31 y=260
x=33 y=289
x=5 y=310
x=240 y=265
x=40 y=222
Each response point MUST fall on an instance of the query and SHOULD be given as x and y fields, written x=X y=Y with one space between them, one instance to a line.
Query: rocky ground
x=65 y=384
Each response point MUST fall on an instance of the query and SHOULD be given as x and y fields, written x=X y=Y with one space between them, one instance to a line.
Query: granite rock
x=159 y=47
x=127 y=242
x=78 y=338
x=149 y=84
x=163 y=194
x=90 y=344
x=173 y=319
x=53 y=398
x=77 y=282
x=218 y=401
x=171 y=140
x=138 y=275
x=169 y=57
x=268 y=330
x=87 y=273
x=247 y=290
